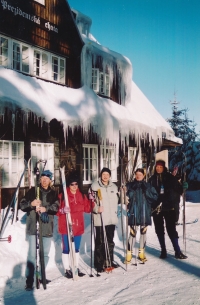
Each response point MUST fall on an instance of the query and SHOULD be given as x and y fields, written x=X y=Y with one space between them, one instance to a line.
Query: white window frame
x=23 y=59
x=44 y=152
x=40 y=65
x=4 y=55
x=131 y=159
x=108 y=158
x=90 y=163
x=11 y=163
x=95 y=80
x=100 y=82
x=40 y=1
x=60 y=71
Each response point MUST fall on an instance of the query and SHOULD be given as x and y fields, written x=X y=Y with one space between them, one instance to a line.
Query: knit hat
x=161 y=163
x=73 y=177
x=105 y=169
x=47 y=173
x=141 y=170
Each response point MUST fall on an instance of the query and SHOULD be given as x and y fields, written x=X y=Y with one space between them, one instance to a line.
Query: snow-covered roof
x=82 y=107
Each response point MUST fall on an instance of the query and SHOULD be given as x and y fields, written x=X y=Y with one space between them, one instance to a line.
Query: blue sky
x=162 y=40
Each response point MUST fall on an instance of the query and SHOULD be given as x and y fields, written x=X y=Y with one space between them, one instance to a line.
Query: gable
x=50 y=26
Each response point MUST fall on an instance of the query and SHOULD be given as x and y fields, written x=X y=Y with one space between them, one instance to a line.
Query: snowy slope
x=161 y=282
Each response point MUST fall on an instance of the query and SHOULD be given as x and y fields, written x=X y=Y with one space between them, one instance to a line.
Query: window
x=108 y=159
x=36 y=63
x=3 y=51
x=16 y=56
x=40 y=64
x=90 y=163
x=100 y=82
x=44 y=152
x=131 y=161
x=44 y=65
x=20 y=57
x=95 y=80
x=134 y=161
x=23 y=58
x=11 y=163
x=58 y=68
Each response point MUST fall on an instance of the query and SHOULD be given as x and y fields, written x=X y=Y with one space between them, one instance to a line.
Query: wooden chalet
x=44 y=44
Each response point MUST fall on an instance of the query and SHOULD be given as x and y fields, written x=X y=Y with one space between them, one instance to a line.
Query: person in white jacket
x=105 y=219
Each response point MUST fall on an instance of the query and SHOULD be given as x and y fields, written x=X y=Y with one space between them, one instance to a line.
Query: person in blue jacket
x=141 y=196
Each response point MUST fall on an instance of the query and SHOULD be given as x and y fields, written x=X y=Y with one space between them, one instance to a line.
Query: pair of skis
x=74 y=267
x=12 y=206
x=40 y=264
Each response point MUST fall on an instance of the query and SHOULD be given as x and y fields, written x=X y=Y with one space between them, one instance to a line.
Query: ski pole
x=8 y=238
x=184 y=198
x=107 y=253
x=91 y=219
x=126 y=231
x=122 y=225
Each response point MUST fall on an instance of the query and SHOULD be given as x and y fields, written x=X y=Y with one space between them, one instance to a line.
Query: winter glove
x=44 y=217
x=64 y=210
x=185 y=185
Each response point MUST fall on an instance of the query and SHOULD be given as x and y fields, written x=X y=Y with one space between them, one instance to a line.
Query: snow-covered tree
x=187 y=156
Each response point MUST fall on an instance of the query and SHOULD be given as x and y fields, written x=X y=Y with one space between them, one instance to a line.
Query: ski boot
x=68 y=274
x=128 y=257
x=80 y=273
x=141 y=256
x=163 y=254
x=180 y=255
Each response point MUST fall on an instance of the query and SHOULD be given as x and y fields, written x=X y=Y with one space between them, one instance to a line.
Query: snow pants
x=132 y=238
x=65 y=243
x=31 y=260
x=102 y=257
x=170 y=221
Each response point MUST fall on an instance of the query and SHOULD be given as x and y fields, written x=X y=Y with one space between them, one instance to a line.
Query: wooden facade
x=50 y=27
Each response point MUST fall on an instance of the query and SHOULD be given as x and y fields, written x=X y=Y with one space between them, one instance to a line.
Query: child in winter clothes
x=78 y=204
x=141 y=196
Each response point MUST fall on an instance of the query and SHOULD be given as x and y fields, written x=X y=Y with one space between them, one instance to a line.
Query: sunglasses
x=72 y=184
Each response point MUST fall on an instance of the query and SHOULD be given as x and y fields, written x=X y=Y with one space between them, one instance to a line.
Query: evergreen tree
x=187 y=156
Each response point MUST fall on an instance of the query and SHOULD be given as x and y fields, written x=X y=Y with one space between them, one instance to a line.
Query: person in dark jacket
x=78 y=205
x=141 y=196
x=45 y=207
x=169 y=190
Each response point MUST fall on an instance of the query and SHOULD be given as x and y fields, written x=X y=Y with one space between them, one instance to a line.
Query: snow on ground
x=161 y=282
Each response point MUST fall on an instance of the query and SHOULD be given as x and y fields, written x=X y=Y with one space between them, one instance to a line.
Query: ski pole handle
x=99 y=194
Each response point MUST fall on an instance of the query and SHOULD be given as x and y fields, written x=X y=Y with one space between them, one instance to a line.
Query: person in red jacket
x=78 y=204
